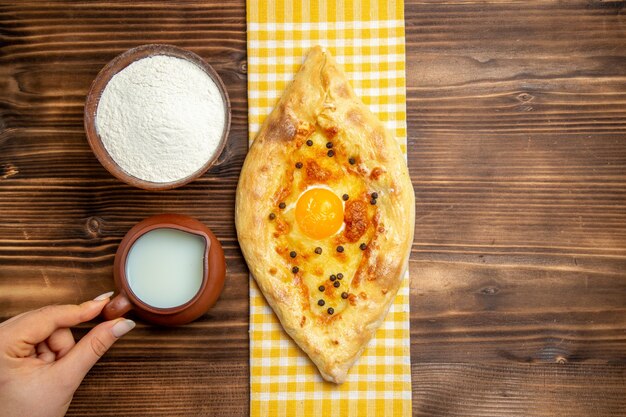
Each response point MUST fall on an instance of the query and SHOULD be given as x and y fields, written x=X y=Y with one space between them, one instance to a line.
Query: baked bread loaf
x=325 y=214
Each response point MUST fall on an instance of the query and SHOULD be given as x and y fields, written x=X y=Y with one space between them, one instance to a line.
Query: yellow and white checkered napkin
x=366 y=37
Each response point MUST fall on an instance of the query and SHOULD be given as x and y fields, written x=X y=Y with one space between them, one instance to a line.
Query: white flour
x=160 y=118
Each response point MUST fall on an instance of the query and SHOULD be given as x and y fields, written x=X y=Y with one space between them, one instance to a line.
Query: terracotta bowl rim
x=141 y=231
x=99 y=84
x=213 y=277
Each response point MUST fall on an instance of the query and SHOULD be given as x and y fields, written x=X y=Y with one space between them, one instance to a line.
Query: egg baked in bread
x=325 y=214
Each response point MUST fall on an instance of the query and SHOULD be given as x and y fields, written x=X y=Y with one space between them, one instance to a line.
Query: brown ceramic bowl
x=97 y=87
x=205 y=298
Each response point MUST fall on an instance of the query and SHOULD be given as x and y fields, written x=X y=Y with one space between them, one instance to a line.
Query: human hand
x=40 y=363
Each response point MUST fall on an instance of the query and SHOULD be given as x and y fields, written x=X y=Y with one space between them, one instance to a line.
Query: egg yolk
x=319 y=213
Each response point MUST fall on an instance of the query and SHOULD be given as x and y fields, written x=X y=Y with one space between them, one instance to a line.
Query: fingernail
x=122 y=327
x=103 y=296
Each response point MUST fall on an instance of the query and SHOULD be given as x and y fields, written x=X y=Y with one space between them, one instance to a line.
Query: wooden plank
x=480 y=390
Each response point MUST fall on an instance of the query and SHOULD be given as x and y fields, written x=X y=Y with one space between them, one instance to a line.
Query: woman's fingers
x=36 y=326
x=44 y=353
x=12 y=319
x=61 y=341
x=79 y=360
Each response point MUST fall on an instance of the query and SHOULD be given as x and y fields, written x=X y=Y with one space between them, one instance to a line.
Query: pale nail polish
x=103 y=296
x=122 y=327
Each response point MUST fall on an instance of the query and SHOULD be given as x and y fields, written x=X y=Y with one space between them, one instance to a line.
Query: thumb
x=79 y=360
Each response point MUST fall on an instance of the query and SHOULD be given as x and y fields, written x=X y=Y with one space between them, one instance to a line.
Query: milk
x=165 y=267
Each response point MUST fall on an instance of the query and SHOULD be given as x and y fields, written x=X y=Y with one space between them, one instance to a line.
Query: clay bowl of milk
x=157 y=117
x=169 y=269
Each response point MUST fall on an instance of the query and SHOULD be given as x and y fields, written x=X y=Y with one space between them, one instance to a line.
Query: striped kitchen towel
x=366 y=37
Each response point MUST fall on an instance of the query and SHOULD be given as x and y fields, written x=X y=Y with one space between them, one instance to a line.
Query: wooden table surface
x=517 y=151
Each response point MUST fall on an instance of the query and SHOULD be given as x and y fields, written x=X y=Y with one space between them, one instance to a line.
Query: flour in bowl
x=161 y=118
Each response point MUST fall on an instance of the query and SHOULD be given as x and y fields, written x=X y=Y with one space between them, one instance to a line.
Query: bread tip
x=319 y=49
x=336 y=377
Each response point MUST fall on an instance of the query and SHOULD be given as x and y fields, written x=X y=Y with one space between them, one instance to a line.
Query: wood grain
x=517 y=150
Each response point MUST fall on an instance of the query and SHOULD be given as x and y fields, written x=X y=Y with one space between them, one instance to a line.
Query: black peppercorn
x=331 y=310
x=340 y=276
x=321 y=288
x=329 y=145
x=293 y=254
x=344 y=295
x=298 y=165
x=333 y=277
x=363 y=246
x=321 y=302
x=339 y=249
x=318 y=250
x=373 y=201
x=272 y=216
x=336 y=284
x=345 y=197
x=282 y=206
x=331 y=153
x=374 y=195
x=295 y=269
x=352 y=161
x=309 y=142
